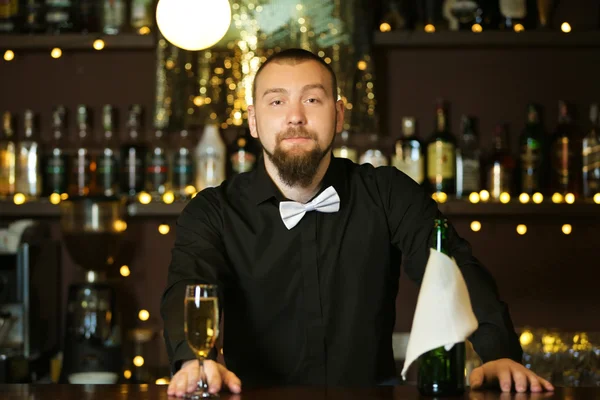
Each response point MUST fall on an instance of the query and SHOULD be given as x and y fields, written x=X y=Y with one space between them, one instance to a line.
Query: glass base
x=441 y=392
x=200 y=395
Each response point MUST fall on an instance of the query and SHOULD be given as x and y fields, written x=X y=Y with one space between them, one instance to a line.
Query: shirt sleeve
x=410 y=214
x=198 y=257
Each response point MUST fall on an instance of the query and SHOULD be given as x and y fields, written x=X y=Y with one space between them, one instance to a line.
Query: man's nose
x=296 y=115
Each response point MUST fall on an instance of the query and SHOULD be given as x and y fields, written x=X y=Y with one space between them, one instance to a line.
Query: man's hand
x=505 y=372
x=186 y=379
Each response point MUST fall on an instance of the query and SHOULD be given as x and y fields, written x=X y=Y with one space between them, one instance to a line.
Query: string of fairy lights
x=474 y=198
x=524 y=198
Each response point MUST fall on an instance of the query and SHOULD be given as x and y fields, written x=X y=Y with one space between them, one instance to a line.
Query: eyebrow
x=304 y=89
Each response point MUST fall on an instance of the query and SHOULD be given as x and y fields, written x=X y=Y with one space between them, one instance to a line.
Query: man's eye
x=276 y=102
x=313 y=100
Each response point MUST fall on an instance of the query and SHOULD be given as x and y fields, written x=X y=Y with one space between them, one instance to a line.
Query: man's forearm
x=172 y=312
x=495 y=339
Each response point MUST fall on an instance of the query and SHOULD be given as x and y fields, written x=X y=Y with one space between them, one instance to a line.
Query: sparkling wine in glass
x=201 y=315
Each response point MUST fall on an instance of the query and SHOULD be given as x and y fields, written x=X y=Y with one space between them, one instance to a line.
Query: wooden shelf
x=399 y=39
x=458 y=208
x=69 y=41
x=155 y=209
x=45 y=209
x=528 y=39
x=515 y=209
x=34 y=209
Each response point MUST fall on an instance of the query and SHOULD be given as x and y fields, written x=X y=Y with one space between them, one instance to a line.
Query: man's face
x=296 y=117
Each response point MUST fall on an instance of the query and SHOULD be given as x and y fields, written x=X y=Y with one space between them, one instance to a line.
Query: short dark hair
x=296 y=56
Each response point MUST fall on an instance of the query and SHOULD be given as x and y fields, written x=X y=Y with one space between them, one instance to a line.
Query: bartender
x=307 y=251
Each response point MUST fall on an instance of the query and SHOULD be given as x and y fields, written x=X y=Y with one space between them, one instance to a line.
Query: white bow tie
x=292 y=212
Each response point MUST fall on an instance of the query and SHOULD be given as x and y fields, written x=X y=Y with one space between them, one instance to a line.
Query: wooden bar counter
x=150 y=392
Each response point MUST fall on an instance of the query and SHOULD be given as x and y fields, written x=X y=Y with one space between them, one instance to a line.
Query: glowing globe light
x=193 y=24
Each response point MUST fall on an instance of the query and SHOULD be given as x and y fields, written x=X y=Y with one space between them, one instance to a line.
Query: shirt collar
x=338 y=177
x=263 y=187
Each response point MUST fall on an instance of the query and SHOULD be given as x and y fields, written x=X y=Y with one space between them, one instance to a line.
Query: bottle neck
x=345 y=138
x=134 y=125
x=441 y=117
x=408 y=127
x=393 y=5
x=184 y=139
x=438 y=236
x=594 y=120
x=7 y=129
x=133 y=134
x=7 y=134
x=468 y=134
x=563 y=114
x=374 y=141
x=28 y=126
x=108 y=135
x=441 y=121
x=58 y=133
x=83 y=128
x=498 y=143
x=533 y=118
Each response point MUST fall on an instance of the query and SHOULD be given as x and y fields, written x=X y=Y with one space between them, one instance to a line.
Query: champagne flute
x=201 y=314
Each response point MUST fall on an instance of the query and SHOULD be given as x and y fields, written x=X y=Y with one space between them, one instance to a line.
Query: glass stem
x=202 y=383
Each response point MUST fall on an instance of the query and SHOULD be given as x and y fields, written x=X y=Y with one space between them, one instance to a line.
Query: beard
x=298 y=168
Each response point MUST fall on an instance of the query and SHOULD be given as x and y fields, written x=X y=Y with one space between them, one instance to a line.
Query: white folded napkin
x=444 y=315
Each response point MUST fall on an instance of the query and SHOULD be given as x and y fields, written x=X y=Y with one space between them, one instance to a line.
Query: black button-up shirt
x=316 y=304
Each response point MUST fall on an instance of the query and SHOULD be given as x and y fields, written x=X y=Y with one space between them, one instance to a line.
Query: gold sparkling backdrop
x=216 y=84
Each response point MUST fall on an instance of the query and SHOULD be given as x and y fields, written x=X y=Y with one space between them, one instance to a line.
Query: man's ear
x=252 y=121
x=339 y=123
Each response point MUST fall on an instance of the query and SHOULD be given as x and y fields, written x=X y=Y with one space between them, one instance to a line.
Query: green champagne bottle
x=441 y=371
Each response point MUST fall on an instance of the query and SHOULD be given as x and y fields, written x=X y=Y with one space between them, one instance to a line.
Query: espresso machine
x=92 y=230
x=30 y=319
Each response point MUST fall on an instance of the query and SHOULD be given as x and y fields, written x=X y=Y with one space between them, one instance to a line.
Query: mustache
x=293 y=133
